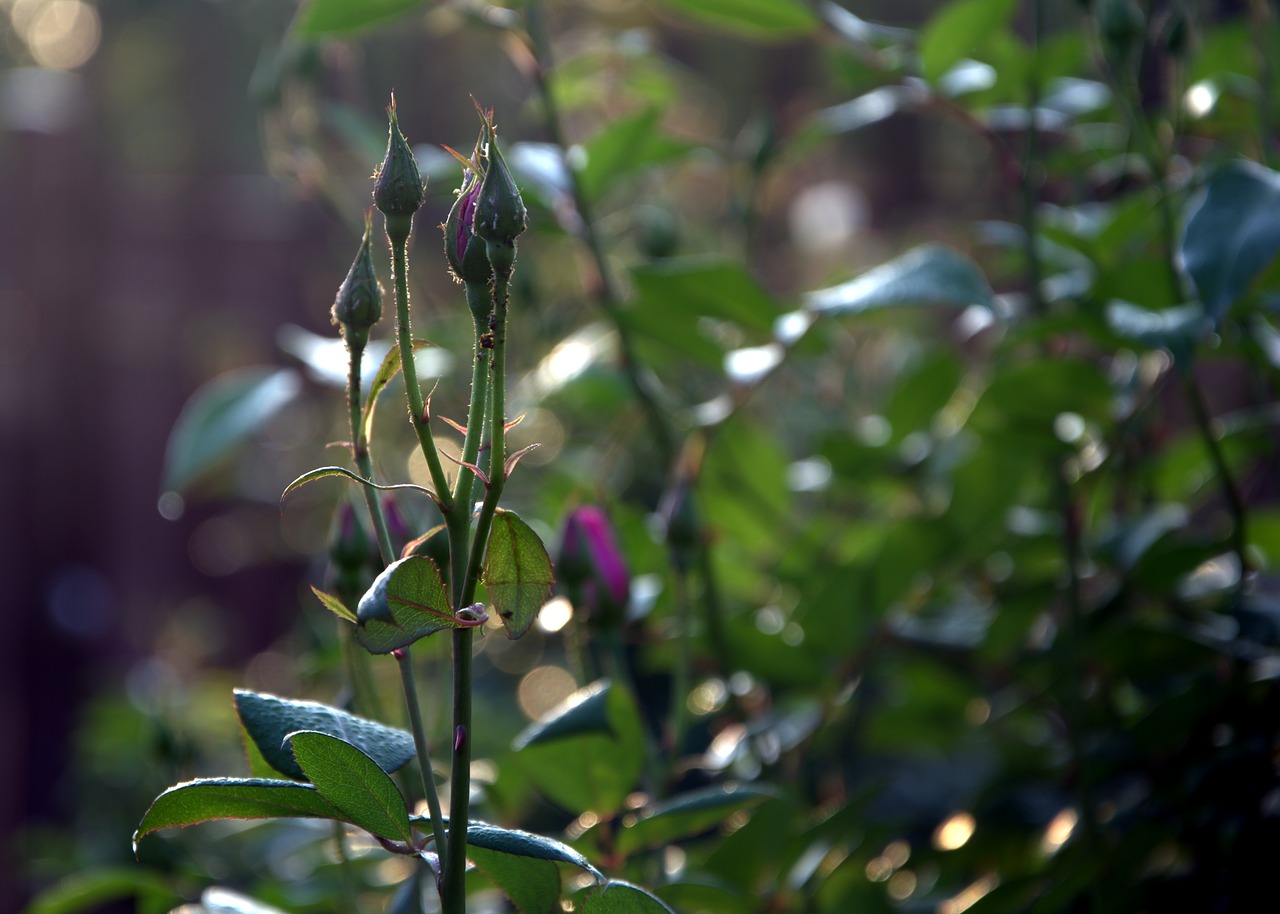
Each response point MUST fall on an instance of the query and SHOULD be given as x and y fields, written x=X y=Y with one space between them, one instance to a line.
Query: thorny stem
x=417 y=406
x=454 y=894
x=606 y=287
x=405 y=661
x=460 y=528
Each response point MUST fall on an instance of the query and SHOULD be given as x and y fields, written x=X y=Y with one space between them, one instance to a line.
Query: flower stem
x=405 y=662
x=360 y=454
x=404 y=338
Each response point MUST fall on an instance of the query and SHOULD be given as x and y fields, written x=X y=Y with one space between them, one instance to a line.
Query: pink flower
x=591 y=565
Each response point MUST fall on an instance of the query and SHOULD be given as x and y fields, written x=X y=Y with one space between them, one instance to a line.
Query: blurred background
x=182 y=189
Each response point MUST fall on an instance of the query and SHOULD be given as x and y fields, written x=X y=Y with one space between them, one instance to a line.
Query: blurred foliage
x=980 y=596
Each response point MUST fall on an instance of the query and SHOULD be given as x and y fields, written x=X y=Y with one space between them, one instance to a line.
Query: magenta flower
x=591 y=565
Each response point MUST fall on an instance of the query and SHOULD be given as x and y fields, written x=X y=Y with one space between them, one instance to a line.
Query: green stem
x=460 y=520
x=680 y=676
x=497 y=434
x=454 y=870
x=404 y=338
x=606 y=288
x=1230 y=491
x=360 y=454
x=454 y=893
x=405 y=662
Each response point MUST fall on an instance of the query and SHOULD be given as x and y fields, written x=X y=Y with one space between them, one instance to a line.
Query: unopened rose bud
x=398 y=191
x=500 y=216
x=351 y=554
x=468 y=261
x=358 y=305
x=591 y=566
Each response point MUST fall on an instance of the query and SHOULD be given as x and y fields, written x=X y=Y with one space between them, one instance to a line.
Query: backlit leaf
x=207 y=799
x=353 y=783
x=517 y=572
x=407 y=601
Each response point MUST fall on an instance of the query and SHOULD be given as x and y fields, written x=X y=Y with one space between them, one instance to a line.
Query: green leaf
x=763 y=19
x=407 y=601
x=956 y=30
x=626 y=145
x=517 y=572
x=221 y=416
x=526 y=844
x=523 y=865
x=688 y=814
x=95 y=889
x=389 y=368
x=323 y=472
x=930 y=274
x=333 y=604
x=532 y=885
x=352 y=781
x=207 y=799
x=702 y=287
x=618 y=897
x=1232 y=234
x=587 y=753
x=268 y=720
x=1177 y=330
x=334 y=17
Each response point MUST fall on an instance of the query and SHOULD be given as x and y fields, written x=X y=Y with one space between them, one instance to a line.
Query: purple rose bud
x=467 y=259
x=591 y=565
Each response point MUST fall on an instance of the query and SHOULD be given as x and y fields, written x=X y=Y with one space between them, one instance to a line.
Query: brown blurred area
x=142 y=249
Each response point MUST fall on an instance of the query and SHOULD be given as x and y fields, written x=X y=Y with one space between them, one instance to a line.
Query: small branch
x=405 y=662
x=417 y=406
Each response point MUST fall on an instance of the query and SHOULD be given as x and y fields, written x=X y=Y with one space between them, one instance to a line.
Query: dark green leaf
x=956 y=30
x=353 y=783
x=407 y=601
x=585 y=711
x=765 y=19
x=624 y=146
x=335 y=17
x=268 y=719
x=1232 y=234
x=221 y=416
x=587 y=753
x=518 y=843
x=618 y=897
x=532 y=885
x=193 y=802
x=930 y=274
x=517 y=572
x=700 y=287
x=688 y=814
x=523 y=865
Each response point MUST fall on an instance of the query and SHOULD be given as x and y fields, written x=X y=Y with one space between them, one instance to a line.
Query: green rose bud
x=358 y=305
x=500 y=216
x=398 y=190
